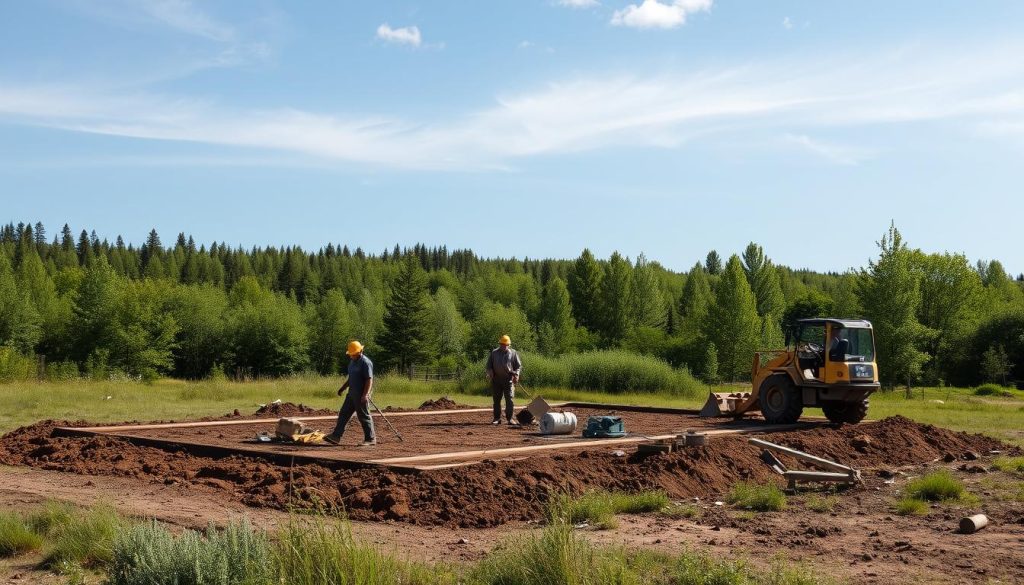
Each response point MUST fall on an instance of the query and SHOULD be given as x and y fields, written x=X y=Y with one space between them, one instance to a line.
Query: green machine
x=604 y=427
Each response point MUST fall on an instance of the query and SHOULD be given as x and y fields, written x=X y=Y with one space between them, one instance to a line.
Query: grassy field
x=114 y=401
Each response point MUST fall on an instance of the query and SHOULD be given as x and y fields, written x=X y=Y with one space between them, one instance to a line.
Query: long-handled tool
x=390 y=426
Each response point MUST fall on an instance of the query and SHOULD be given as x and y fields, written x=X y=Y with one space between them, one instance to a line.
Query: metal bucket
x=557 y=423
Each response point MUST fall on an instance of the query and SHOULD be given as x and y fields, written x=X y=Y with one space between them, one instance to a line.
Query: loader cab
x=836 y=351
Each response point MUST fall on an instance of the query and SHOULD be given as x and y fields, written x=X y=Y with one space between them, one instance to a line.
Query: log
x=972 y=524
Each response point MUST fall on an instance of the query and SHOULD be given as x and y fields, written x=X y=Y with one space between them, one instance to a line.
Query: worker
x=836 y=349
x=503 y=369
x=360 y=385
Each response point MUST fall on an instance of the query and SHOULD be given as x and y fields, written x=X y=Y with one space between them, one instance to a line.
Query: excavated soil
x=442 y=403
x=492 y=492
x=290 y=409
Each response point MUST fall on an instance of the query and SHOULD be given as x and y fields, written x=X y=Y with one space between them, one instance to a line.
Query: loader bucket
x=724 y=404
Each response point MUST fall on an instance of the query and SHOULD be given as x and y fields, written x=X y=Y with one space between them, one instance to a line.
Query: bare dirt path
x=859 y=541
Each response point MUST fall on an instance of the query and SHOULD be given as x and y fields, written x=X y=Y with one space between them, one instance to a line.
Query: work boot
x=496 y=421
x=369 y=443
x=513 y=423
x=332 y=439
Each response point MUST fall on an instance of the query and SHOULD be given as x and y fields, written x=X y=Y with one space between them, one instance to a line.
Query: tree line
x=85 y=306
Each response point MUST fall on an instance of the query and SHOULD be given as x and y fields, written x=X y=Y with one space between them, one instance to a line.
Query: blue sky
x=522 y=128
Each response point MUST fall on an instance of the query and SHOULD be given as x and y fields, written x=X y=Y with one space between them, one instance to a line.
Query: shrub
x=992 y=390
x=62 y=371
x=908 y=506
x=14 y=366
x=936 y=487
x=16 y=537
x=612 y=371
x=149 y=553
x=760 y=498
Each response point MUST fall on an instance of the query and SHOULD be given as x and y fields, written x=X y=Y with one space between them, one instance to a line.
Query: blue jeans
x=362 y=411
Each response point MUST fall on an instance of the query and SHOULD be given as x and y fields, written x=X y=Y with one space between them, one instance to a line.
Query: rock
x=971 y=456
x=949 y=458
x=867 y=557
x=975 y=469
x=463 y=541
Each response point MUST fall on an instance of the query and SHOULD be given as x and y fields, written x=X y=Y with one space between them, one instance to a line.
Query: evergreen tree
x=733 y=324
x=556 y=314
x=764 y=281
x=584 y=287
x=890 y=293
x=713 y=263
x=615 y=296
x=406 y=336
x=647 y=306
x=696 y=298
x=19 y=321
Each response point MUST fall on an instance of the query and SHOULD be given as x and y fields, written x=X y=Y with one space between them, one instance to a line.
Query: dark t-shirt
x=359 y=371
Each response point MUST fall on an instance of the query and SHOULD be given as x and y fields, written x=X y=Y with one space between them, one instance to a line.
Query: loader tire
x=839 y=411
x=781 y=401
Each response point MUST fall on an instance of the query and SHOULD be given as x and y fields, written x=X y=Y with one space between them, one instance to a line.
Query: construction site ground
x=461 y=513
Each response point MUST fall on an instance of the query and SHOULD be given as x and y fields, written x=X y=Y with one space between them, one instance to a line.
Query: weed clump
x=760 y=498
x=937 y=486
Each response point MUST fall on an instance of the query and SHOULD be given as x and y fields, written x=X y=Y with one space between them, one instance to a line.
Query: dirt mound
x=291 y=409
x=442 y=403
x=487 y=494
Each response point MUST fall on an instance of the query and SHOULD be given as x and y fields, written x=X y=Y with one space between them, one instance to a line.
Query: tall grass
x=936 y=487
x=612 y=371
x=757 y=497
x=598 y=508
x=16 y=537
x=84 y=540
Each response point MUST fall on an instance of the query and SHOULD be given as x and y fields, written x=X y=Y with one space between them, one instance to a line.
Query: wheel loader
x=828 y=363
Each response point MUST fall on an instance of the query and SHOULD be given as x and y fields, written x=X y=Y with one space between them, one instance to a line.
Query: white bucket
x=557 y=423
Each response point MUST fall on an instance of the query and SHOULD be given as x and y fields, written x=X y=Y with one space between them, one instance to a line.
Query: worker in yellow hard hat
x=503 y=369
x=359 y=385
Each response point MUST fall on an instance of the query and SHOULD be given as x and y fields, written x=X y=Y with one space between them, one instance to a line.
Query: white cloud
x=406 y=35
x=183 y=16
x=787 y=23
x=836 y=153
x=977 y=88
x=578 y=3
x=655 y=14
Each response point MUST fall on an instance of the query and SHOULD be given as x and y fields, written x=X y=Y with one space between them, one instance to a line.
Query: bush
x=613 y=371
x=992 y=390
x=760 y=498
x=14 y=366
x=16 y=537
x=149 y=553
x=936 y=487
x=62 y=371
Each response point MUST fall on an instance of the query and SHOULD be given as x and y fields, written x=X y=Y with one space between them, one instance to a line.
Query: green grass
x=821 y=504
x=680 y=511
x=598 y=508
x=1009 y=464
x=16 y=537
x=85 y=540
x=908 y=506
x=756 y=497
x=938 y=486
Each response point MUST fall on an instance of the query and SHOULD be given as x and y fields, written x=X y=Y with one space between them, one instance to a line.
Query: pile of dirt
x=487 y=494
x=442 y=403
x=291 y=409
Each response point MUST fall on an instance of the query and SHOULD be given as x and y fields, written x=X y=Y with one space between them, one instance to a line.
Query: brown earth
x=489 y=493
x=290 y=409
x=442 y=403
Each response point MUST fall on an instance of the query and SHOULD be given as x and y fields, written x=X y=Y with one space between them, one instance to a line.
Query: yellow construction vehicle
x=828 y=363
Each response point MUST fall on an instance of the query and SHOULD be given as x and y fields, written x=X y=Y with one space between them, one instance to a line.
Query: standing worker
x=503 y=368
x=359 y=384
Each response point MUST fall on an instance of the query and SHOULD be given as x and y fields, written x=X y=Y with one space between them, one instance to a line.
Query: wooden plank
x=217 y=423
x=629 y=408
x=490 y=453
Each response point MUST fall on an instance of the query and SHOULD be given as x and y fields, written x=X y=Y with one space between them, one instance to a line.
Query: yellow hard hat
x=354 y=347
x=505 y=340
